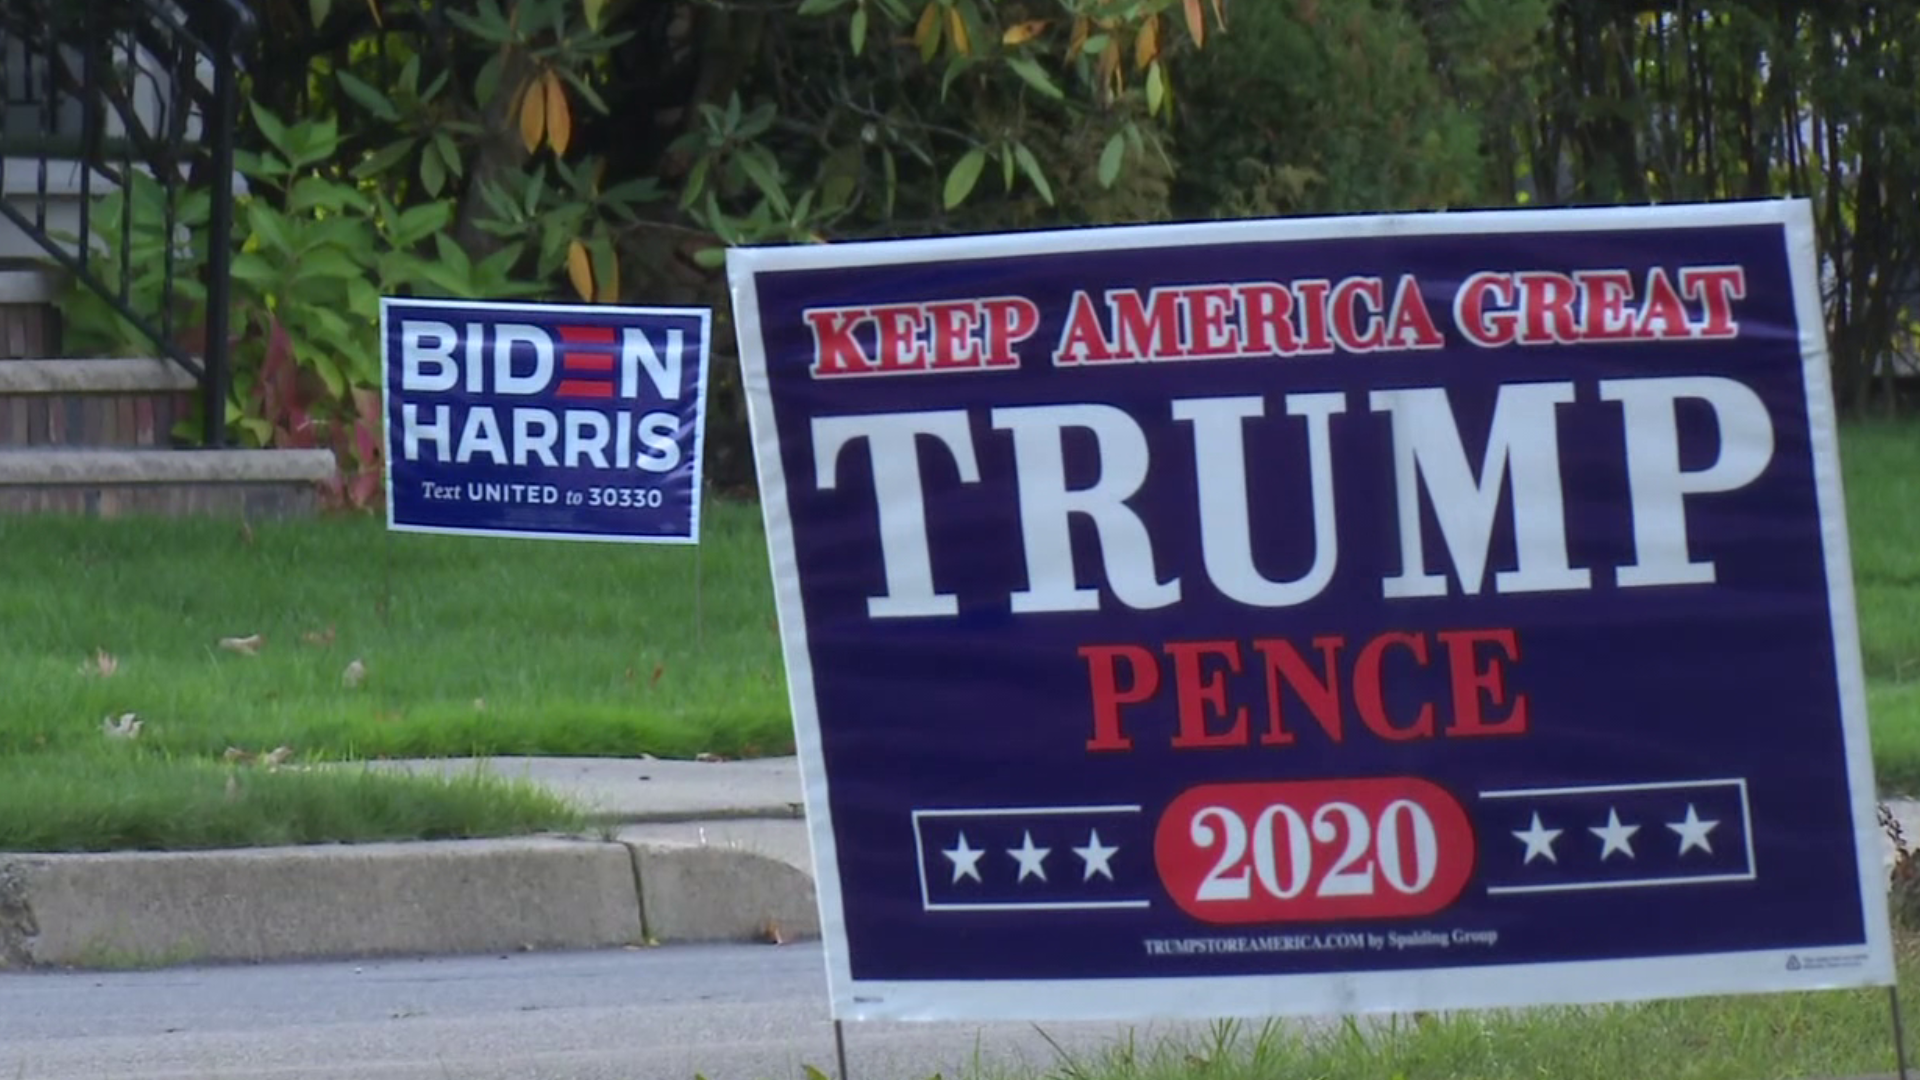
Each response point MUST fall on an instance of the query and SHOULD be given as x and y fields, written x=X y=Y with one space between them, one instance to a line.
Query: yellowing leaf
x=1147 y=45
x=533 y=112
x=1197 y=23
x=1156 y=88
x=559 y=117
x=957 y=26
x=580 y=269
x=927 y=33
x=1111 y=73
x=1077 y=40
x=1021 y=33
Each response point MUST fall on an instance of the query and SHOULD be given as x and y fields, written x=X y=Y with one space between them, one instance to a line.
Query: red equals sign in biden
x=587 y=361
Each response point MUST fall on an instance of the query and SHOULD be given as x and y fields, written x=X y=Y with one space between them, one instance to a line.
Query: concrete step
x=101 y=482
x=130 y=402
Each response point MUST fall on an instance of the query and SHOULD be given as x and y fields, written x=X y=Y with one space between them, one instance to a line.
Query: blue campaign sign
x=558 y=421
x=1318 y=616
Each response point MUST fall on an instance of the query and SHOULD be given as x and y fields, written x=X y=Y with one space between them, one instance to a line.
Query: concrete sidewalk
x=680 y=852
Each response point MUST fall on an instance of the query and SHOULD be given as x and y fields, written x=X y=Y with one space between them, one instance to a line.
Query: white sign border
x=705 y=315
x=1398 y=990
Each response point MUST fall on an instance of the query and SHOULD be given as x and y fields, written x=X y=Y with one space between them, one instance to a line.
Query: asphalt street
x=754 y=1012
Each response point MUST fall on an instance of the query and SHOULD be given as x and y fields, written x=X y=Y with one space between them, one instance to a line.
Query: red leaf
x=366 y=443
x=364 y=488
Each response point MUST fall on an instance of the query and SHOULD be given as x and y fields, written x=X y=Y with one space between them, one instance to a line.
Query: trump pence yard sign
x=1318 y=616
x=572 y=422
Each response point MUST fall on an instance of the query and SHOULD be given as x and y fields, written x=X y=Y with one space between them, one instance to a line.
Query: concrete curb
x=365 y=900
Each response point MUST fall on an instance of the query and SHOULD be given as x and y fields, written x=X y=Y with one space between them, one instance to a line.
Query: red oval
x=1210 y=841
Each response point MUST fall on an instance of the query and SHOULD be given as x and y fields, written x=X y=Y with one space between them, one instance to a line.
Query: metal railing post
x=218 y=374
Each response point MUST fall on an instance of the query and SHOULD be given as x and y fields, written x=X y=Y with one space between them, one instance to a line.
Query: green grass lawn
x=1882 y=465
x=1827 y=1034
x=492 y=646
x=469 y=645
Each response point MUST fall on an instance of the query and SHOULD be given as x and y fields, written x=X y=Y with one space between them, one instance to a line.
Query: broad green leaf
x=433 y=173
x=1035 y=76
x=965 y=174
x=449 y=153
x=418 y=222
x=369 y=98
x=253 y=269
x=1006 y=166
x=453 y=254
x=1111 y=159
x=696 y=181
x=1156 y=87
x=1096 y=44
x=329 y=262
x=320 y=9
x=487 y=83
x=329 y=371
x=606 y=270
x=596 y=10
x=712 y=258
x=762 y=170
x=270 y=127
x=383 y=159
x=858 y=31
x=1031 y=166
x=267 y=224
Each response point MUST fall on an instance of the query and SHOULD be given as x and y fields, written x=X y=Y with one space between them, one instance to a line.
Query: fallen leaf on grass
x=103 y=664
x=127 y=727
x=355 y=674
x=479 y=704
x=708 y=759
x=245 y=646
x=658 y=670
x=322 y=638
x=272 y=759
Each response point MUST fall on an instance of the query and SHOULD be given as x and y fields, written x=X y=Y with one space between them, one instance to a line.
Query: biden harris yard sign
x=577 y=422
x=1318 y=616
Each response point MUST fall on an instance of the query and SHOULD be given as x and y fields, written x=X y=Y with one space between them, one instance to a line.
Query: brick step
x=107 y=402
x=29 y=321
x=172 y=483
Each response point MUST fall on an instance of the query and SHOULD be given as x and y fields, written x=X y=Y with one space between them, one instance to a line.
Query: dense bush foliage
x=611 y=149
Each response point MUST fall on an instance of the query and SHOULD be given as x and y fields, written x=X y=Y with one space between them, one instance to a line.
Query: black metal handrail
x=130 y=106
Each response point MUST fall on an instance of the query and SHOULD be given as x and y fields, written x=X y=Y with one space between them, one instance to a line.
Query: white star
x=1615 y=836
x=1030 y=858
x=1693 y=832
x=966 y=860
x=1096 y=857
x=1539 y=840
